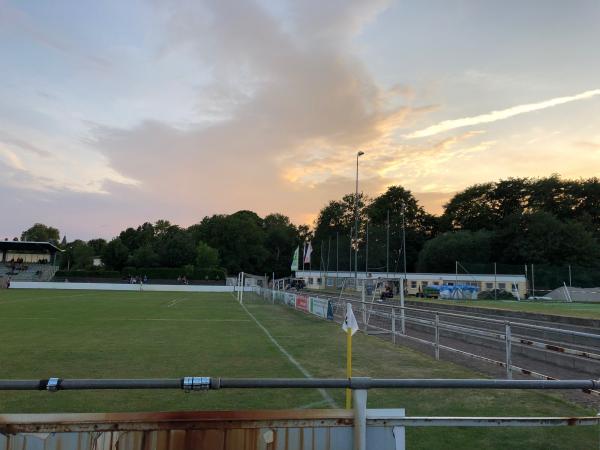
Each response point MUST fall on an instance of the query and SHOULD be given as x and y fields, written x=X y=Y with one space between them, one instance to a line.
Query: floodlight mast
x=358 y=155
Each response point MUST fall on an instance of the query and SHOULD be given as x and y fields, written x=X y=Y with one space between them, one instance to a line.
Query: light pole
x=358 y=155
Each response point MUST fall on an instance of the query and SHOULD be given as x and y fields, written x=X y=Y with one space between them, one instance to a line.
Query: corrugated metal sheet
x=231 y=430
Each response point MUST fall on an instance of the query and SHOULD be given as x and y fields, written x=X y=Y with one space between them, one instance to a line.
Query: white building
x=415 y=282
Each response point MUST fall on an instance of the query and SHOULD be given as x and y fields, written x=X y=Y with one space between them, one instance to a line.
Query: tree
x=144 y=256
x=77 y=255
x=97 y=245
x=441 y=253
x=115 y=254
x=281 y=239
x=143 y=235
x=404 y=210
x=471 y=209
x=240 y=239
x=541 y=238
x=175 y=248
x=206 y=256
x=41 y=233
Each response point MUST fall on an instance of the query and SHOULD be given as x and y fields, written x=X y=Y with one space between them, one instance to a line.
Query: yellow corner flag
x=350 y=326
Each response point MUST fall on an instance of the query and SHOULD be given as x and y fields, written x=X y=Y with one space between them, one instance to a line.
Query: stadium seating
x=29 y=272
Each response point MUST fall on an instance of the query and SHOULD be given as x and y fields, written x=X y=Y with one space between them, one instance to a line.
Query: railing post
x=364 y=315
x=394 y=325
x=437 y=336
x=359 y=398
x=507 y=337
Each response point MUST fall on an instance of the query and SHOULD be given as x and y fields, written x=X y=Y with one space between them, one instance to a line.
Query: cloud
x=298 y=93
x=494 y=116
x=23 y=145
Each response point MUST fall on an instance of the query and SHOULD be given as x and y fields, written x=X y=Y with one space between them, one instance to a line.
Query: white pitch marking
x=326 y=397
x=175 y=301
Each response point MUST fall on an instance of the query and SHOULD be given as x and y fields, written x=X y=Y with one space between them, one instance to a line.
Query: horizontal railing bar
x=486 y=421
x=293 y=383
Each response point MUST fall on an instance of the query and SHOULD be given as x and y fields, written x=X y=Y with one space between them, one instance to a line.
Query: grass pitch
x=94 y=334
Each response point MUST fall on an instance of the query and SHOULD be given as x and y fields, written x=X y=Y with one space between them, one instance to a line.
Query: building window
x=501 y=285
x=436 y=283
x=413 y=284
x=318 y=281
x=330 y=282
x=423 y=283
x=489 y=285
x=310 y=281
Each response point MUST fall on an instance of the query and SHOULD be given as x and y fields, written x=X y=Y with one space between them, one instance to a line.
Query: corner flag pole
x=348 y=366
x=350 y=326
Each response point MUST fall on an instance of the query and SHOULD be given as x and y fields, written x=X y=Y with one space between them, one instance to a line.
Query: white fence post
x=360 y=418
x=437 y=336
x=507 y=336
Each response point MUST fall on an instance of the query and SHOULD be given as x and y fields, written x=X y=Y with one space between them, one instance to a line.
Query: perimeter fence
x=524 y=347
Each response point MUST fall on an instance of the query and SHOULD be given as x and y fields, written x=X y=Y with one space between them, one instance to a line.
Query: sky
x=116 y=113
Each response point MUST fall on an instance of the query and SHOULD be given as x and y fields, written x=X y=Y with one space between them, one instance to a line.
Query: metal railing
x=393 y=321
x=360 y=417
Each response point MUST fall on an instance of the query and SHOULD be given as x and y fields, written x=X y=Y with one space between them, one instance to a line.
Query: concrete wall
x=123 y=287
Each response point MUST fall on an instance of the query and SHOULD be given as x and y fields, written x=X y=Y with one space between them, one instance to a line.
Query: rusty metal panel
x=205 y=430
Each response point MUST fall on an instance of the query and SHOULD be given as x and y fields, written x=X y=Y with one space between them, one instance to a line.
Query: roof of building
x=29 y=245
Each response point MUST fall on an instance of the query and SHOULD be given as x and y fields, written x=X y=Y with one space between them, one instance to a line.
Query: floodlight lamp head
x=360 y=153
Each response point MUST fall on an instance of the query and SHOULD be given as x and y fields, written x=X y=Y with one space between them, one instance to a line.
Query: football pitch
x=99 y=334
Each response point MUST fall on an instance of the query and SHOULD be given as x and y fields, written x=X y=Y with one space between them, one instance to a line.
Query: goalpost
x=245 y=280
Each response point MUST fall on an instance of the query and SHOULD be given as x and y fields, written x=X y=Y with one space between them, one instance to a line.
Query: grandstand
x=28 y=261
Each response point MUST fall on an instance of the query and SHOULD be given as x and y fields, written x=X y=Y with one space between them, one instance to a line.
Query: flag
x=350 y=321
x=307 y=253
x=295 y=260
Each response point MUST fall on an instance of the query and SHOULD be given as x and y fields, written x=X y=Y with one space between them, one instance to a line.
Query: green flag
x=295 y=260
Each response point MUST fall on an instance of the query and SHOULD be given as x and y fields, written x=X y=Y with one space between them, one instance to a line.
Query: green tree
x=441 y=253
x=239 y=238
x=41 y=233
x=77 y=255
x=115 y=254
x=97 y=245
x=281 y=239
x=144 y=256
x=175 y=248
x=541 y=238
x=206 y=256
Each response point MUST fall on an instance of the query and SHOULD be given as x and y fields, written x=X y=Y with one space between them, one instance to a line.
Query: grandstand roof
x=29 y=245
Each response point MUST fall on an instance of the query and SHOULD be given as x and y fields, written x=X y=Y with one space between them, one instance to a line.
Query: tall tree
x=115 y=254
x=41 y=233
x=441 y=253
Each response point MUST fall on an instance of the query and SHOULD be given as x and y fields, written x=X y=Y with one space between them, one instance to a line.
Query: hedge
x=88 y=274
x=165 y=273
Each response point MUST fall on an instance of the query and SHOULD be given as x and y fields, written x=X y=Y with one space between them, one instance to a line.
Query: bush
x=501 y=294
x=166 y=273
x=88 y=274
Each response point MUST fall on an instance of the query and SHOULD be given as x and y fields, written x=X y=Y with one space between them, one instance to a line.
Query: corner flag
x=350 y=322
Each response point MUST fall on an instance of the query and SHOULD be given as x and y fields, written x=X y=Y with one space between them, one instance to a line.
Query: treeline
x=546 y=221
x=235 y=242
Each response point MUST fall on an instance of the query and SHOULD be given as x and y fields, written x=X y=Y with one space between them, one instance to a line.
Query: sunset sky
x=114 y=113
